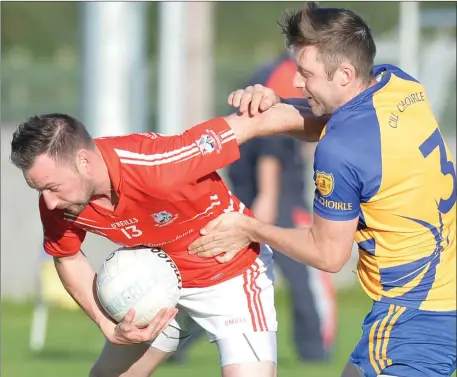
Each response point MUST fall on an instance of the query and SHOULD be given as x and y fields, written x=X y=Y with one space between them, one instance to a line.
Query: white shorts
x=239 y=310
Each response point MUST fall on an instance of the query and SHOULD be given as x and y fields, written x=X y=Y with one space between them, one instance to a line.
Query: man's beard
x=76 y=209
x=317 y=109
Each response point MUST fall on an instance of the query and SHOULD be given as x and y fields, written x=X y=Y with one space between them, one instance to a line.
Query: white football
x=145 y=279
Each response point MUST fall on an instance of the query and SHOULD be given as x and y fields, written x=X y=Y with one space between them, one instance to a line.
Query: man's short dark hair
x=338 y=34
x=59 y=136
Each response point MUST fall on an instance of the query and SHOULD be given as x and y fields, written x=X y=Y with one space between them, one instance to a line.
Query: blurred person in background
x=269 y=179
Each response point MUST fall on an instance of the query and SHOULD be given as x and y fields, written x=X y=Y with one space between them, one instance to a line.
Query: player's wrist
x=242 y=126
x=257 y=231
x=248 y=226
x=107 y=327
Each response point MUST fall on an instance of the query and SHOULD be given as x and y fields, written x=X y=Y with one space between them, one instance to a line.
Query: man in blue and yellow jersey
x=384 y=177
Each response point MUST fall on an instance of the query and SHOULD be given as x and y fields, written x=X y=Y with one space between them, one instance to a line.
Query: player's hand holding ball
x=223 y=237
x=253 y=99
x=127 y=332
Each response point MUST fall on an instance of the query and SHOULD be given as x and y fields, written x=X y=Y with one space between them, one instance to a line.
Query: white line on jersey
x=151 y=157
x=226 y=133
x=204 y=213
x=177 y=155
x=84 y=224
x=180 y=157
x=70 y=215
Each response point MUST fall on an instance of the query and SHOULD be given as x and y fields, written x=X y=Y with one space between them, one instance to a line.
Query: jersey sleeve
x=181 y=159
x=60 y=238
x=337 y=195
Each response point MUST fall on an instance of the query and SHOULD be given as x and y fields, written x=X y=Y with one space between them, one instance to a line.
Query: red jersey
x=168 y=190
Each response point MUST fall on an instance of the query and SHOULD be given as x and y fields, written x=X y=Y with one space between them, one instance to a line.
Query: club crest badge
x=206 y=144
x=163 y=217
x=324 y=183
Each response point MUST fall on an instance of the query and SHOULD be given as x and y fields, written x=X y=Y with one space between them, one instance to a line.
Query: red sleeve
x=61 y=238
x=181 y=159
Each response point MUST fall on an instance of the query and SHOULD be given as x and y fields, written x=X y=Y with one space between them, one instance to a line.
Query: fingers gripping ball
x=145 y=279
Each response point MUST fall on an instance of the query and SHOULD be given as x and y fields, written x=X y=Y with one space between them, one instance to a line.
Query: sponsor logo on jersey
x=324 y=183
x=341 y=206
x=174 y=239
x=235 y=321
x=123 y=223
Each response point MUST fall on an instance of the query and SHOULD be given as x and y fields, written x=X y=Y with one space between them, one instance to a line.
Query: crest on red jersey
x=163 y=217
x=206 y=144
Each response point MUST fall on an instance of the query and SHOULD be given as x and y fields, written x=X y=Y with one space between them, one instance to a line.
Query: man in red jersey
x=159 y=191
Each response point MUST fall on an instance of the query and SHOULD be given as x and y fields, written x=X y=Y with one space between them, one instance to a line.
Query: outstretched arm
x=295 y=115
x=281 y=118
x=212 y=145
x=203 y=149
x=326 y=245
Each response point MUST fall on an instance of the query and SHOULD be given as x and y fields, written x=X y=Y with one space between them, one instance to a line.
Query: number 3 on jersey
x=131 y=231
x=447 y=167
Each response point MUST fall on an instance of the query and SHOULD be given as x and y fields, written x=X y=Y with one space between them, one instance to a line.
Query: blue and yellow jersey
x=382 y=158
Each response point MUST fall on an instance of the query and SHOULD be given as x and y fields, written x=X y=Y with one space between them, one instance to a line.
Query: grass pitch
x=73 y=343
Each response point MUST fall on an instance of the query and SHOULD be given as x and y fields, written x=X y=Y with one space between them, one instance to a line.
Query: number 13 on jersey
x=131 y=231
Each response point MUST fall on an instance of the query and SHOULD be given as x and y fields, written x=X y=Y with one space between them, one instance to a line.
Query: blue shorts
x=407 y=342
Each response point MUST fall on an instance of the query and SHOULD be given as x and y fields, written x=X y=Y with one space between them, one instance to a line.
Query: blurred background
x=125 y=67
